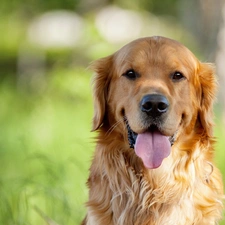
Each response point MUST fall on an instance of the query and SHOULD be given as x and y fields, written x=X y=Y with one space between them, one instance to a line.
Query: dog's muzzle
x=132 y=136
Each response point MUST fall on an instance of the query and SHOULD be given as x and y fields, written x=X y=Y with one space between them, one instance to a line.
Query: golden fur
x=187 y=188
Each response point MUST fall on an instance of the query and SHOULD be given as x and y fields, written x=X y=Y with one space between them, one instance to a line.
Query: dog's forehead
x=152 y=45
x=155 y=51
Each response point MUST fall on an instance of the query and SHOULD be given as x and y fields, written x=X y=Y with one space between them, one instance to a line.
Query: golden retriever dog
x=153 y=163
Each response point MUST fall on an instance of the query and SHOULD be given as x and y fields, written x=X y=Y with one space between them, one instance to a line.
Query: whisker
x=113 y=127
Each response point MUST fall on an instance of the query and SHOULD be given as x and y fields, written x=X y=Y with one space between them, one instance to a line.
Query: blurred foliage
x=29 y=8
x=32 y=7
x=167 y=7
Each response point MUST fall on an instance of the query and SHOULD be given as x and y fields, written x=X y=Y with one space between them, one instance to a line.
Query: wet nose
x=154 y=104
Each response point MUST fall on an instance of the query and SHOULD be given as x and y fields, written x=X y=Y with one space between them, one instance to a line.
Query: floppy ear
x=103 y=70
x=208 y=84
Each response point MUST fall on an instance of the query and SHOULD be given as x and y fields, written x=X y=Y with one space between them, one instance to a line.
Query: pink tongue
x=152 y=148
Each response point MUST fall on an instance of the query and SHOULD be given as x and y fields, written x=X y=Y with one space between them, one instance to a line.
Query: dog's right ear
x=103 y=70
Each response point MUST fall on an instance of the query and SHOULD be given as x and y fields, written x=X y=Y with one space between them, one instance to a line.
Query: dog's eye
x=176 y=76
x=130 y=74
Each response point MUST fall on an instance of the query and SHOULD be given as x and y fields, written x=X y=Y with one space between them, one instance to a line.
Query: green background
x=45 y=141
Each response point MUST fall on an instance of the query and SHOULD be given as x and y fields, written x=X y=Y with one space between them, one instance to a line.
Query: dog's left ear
x=103 y=70
x=208 y=84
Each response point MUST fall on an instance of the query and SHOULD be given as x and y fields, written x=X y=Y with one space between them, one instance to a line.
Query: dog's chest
x=151 y=206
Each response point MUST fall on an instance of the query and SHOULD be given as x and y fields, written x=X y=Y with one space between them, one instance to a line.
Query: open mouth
x=132 y=136
x=151 y=146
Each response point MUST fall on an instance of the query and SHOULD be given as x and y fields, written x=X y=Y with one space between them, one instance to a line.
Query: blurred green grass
x=46 y=148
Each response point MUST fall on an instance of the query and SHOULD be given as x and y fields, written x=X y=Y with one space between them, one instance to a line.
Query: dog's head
x=156 y=89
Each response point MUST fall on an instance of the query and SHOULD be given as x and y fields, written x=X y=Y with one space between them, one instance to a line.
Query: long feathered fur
x=185 y=190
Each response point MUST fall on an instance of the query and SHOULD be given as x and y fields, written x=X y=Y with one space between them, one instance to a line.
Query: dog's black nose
x=154 y=104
